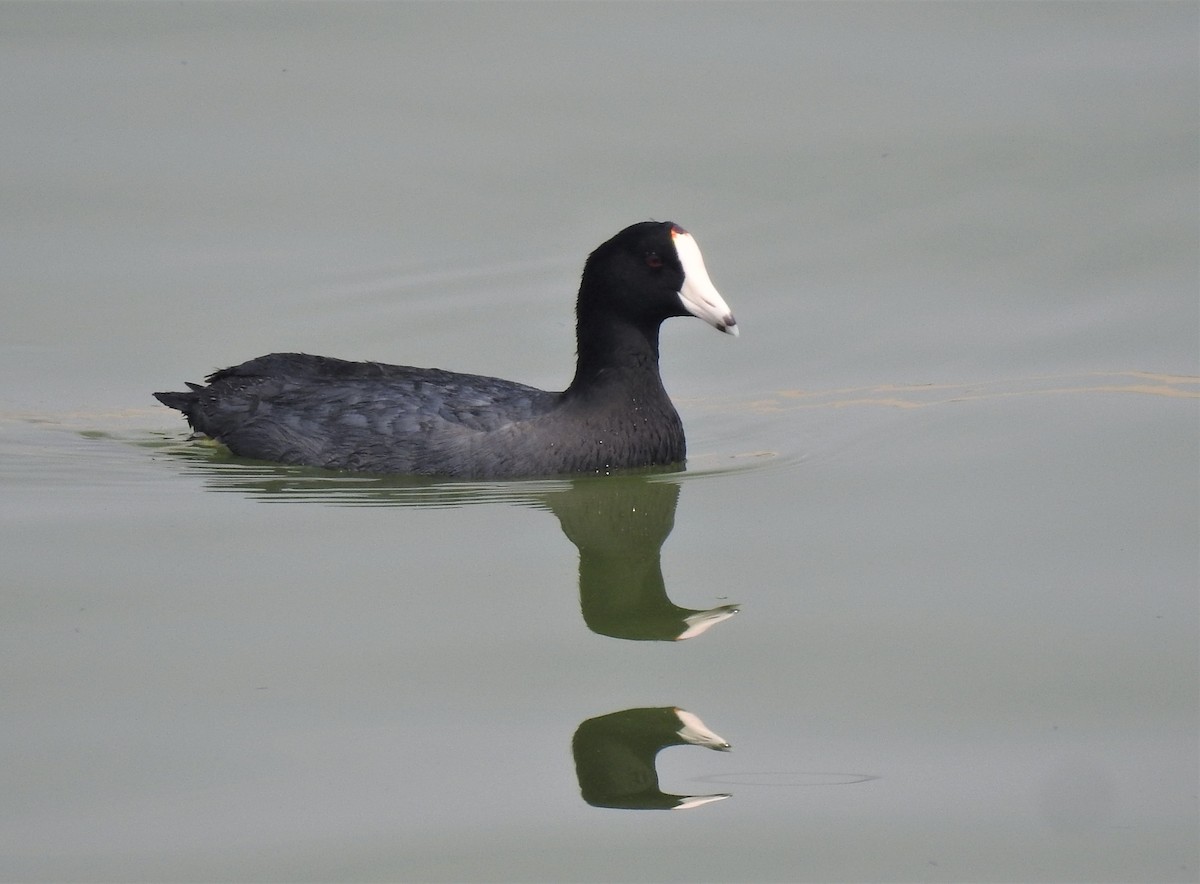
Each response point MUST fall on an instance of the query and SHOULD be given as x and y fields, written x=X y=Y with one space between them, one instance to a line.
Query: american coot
x=299 y=409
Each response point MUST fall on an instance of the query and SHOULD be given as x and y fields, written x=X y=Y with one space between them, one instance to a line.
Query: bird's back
x=301 y=409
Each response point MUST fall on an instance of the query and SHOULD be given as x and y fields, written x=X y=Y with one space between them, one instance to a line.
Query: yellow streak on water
x=926 y=395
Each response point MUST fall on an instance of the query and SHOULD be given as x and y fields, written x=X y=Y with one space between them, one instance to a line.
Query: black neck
x=614 y=351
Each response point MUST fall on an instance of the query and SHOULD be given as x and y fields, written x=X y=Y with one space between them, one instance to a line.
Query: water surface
x=947 y=476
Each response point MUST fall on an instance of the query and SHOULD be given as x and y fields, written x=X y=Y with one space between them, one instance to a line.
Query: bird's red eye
x=653 y=261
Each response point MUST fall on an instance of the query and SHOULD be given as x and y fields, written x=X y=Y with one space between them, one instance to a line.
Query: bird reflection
x=619 y=527
x=618 y=523
x=615 y=754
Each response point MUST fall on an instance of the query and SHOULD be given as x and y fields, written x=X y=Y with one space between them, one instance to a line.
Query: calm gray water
x=948 y=474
